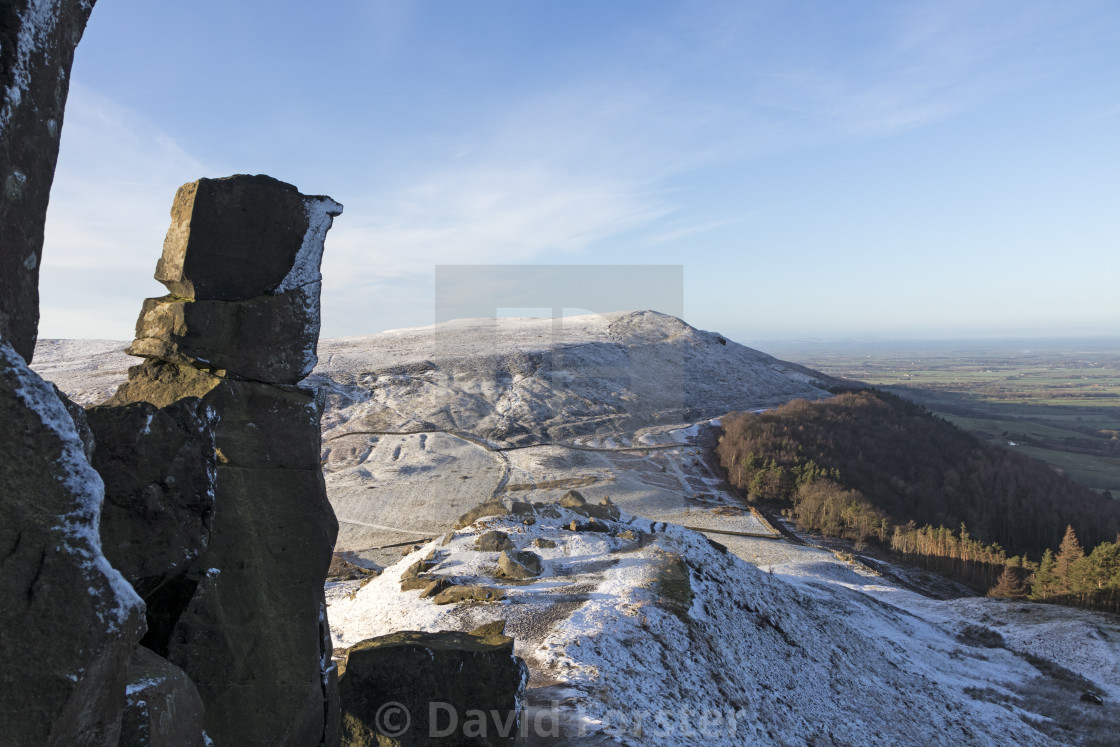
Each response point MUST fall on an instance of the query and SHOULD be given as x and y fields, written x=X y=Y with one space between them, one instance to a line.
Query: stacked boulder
x=246 y=621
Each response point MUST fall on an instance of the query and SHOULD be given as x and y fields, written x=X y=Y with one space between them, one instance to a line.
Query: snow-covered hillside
x=795 y=644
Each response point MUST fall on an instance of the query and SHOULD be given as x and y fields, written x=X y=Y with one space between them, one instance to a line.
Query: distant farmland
x=1057 y=401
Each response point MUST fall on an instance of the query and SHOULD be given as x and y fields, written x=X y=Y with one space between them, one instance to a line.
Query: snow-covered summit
x=516 y=382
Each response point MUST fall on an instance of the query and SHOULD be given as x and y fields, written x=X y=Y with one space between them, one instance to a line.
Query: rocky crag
x=37 y=41
x=246 y=620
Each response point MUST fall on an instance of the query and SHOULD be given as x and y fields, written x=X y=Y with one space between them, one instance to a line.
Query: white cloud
x=113 y=187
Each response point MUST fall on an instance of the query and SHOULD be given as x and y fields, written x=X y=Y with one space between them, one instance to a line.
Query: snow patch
x=305 y=270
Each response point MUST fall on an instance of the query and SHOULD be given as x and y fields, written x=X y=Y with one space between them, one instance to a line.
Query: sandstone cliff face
x=37 y=41
x=247 y=620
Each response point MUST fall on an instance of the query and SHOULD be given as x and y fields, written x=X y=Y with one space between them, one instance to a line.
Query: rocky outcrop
x=247 y=620
x=163 y=708
x=158 y=465
x=37 y=41
x=415 y=688
x=68 y=621
x=241 y=260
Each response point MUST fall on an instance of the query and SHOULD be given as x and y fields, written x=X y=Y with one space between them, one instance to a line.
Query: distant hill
x=901 y=464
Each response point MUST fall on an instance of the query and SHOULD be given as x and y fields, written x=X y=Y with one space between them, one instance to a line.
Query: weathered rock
x=494 y=627
x=270 y=338
x=81 y=422
x=521 y=508
x=434 y=587
x=524 y=564
x=489 y=508
x=493 y=541
x=249 y=636
x=572 y=499
x=159 y=469
x=455 y=594
x=68 y=621
x=243 y=236
x=342 y=569
x=247 y=620
x=416 y=582
x=163 y=708
x=445 y=683
x=261 y=426
x=37 y=42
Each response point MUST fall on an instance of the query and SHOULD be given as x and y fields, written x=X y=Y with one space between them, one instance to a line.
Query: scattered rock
x=1092 y=697
x=163 y=707
x=436 y=683
x=416 y=582
x=494 y=627
x=342 y=569
x=544 y=542
x=420 y=566
x=573 y=499
x=455 y=594
x=524 y=564
x=521 y=508
x=493 y=541
x=489 y=508
x=434 y=587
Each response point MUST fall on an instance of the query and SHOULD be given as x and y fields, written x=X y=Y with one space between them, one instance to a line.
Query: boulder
x=519 y=565
x=415 y=688
x=269 y=338
x=159 y=469
x=162 y=708
x=68 y=621
x=493 y=541
x=573 y=499
x=454 y=594
x=37 y=42
x=243 y=236
x=492 y=507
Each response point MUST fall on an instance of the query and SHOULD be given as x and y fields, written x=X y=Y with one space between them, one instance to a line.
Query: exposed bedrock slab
x=163 y=708
x=269 y=338
x=68 y=621
x=37 y=41
x=464 y=675
x=159 y=469
x=261 y=426
x=243 y=236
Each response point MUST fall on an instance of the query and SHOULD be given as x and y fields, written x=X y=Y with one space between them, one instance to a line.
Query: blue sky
x=820 y=169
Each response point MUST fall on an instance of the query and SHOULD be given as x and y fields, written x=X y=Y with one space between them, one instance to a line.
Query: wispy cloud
x=108 y=213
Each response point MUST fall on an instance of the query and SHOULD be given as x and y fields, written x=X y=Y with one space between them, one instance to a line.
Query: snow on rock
x=650 y=634
x=79 y=528
x=321 y=212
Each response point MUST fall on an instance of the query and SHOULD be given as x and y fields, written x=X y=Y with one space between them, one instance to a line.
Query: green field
x=1057 y=401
